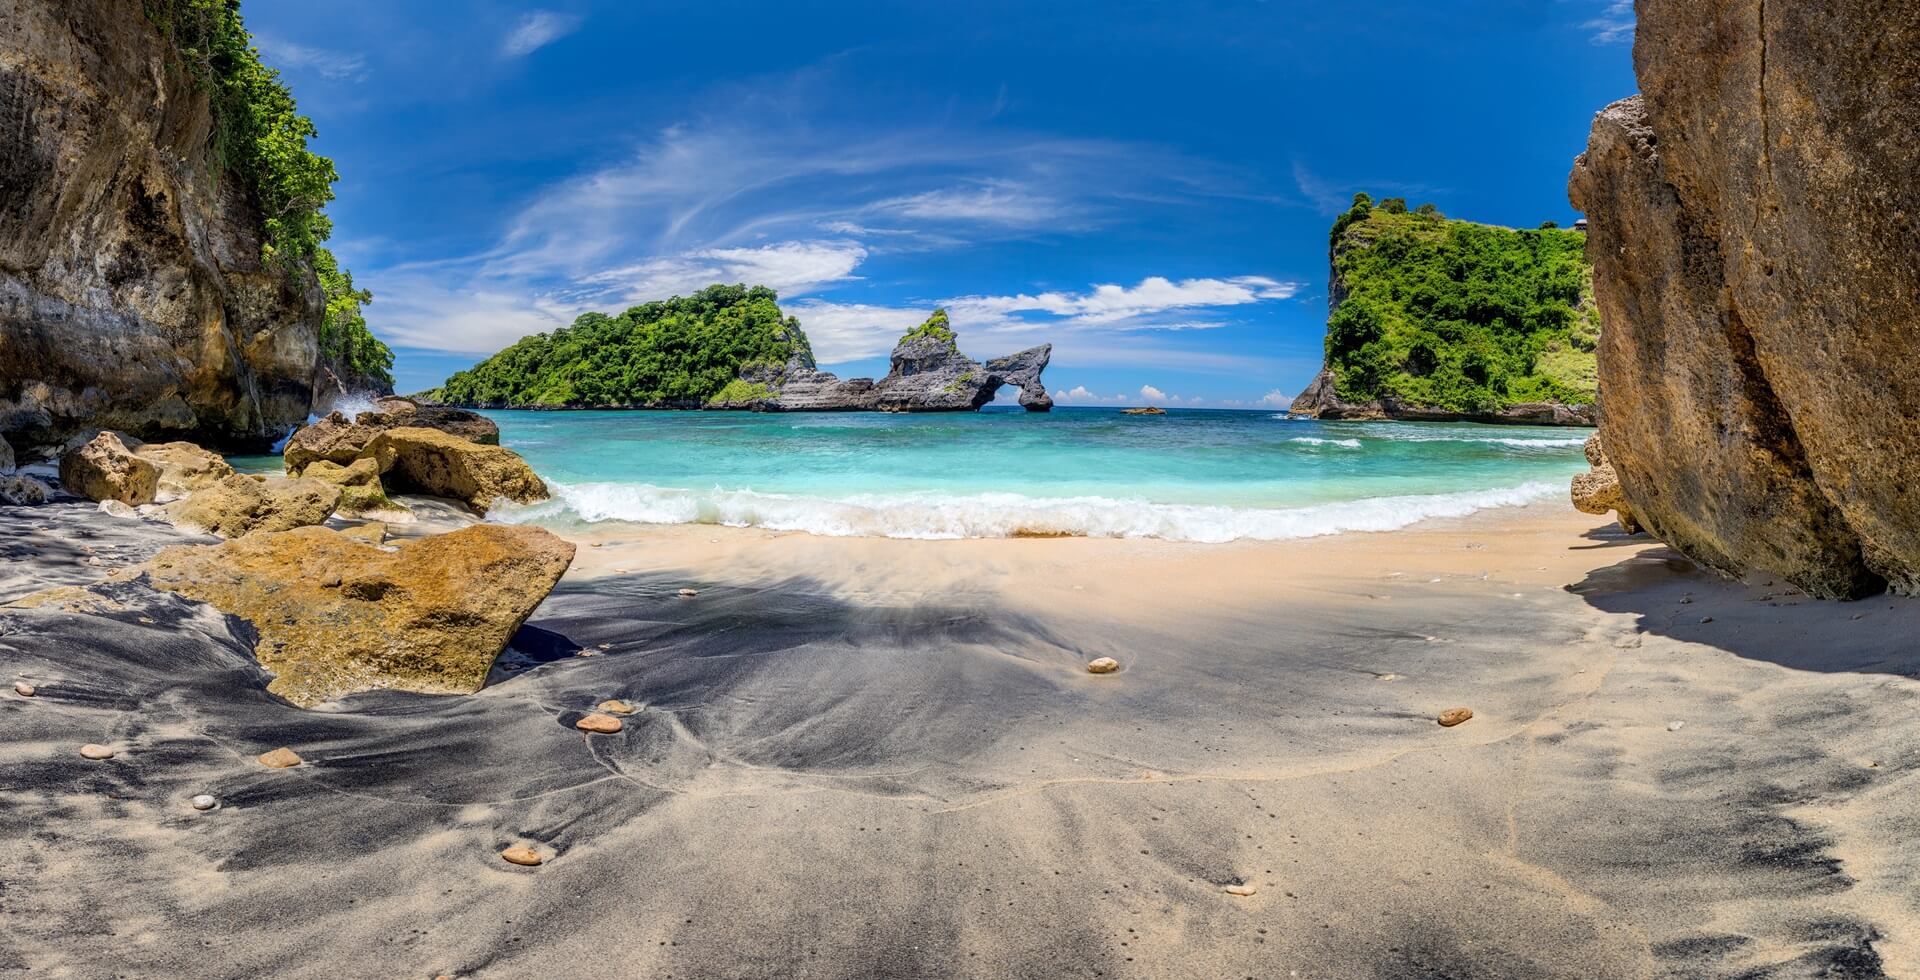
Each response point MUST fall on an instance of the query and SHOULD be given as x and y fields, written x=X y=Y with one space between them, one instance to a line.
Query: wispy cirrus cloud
x=1111 y=303
x=1613 y=25
x=537 y=30
x=289 y=56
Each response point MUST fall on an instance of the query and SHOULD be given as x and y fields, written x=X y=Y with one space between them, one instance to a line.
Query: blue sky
x=1147 y=185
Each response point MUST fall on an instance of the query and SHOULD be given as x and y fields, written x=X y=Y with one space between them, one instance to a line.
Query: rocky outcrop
x=337 y=615
x=132 y=293
x=104 y=468
x=1597 y=491
x=1753 y=225
x=444 y=465
x=1322 y=400
x=184 y=467
x=927 y=373
x=337 y=440
x=240 y=505
x=361 y=492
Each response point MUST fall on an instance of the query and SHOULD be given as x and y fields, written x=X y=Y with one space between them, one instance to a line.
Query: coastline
x=863 y=756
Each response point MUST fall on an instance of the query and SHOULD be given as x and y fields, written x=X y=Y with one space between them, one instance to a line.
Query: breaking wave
x=1317 y=441
x=999 y=515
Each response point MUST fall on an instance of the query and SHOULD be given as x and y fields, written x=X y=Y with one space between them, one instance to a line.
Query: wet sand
x=873 y=758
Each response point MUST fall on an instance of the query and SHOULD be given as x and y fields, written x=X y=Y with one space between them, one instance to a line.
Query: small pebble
x=96 y=752
x=1454 y=716
x=689 y=593
x=204 y=802
x=1706 y=619
x=1674 y=726
x=614 y=706
x=1102 y=665
x=599 y=724
x=1686 y=598
x=522 y=855
x=280 y=758
x=1241 y=890
x=24 y=689
x=1388 y=677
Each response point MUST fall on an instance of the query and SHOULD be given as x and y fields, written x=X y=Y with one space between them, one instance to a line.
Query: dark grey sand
x=884 y=759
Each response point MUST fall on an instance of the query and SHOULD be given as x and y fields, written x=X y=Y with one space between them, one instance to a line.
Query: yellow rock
x=441 y=464
x=105 y=469
x=280 y=758
x=1102 y=665
x=615 y=706
x=184 y=467
x=336 y=615
x=522 y=855
x=1242 y=890
x=95 y=752
x=1454 y=716
x=240 y=505
x=599 y=724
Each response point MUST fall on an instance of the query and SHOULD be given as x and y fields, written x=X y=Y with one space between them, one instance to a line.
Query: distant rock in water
x=928 y=374
x=1149 y=410
x=1755 y=231
x=730 y=347
x=1436 y=320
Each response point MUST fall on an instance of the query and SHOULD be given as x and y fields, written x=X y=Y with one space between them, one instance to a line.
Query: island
x=1438 y=320
x=730 y=347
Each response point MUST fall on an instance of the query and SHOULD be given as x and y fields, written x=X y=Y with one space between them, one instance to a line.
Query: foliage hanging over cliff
x=684 y=350
x=1459 y=316
x=260 y=137
x=937 y=327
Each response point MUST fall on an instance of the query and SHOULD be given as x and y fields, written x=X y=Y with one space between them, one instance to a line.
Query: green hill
x=681 y=352
x=1457 y=316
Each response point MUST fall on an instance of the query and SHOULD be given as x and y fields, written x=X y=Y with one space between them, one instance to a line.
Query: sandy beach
x=872 y=757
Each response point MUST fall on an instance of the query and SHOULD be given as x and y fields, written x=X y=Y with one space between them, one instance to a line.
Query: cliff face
x=132 y=295
x=1755 y=232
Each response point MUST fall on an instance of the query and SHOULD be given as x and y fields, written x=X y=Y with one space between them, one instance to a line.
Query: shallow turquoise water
x=1189 y=475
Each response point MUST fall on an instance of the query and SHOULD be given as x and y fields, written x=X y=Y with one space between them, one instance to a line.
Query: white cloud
x=790 y=268
x=1152 y=394
x=842 y=332
x=993 y=202
x=1613 y=25
x=537 y=30
x=1109 y=304
x=289 y=56
x=1275 y=399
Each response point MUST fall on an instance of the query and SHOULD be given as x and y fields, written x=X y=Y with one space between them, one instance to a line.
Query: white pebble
x=204 y=802
x=1674 y=726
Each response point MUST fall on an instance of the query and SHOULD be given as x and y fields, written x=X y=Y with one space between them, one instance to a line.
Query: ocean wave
x=999 y=515
x=1317 y=441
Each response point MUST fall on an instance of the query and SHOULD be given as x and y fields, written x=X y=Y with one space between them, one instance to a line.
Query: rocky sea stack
x=1436 y=320
x=1755 y=232
x=928 y=374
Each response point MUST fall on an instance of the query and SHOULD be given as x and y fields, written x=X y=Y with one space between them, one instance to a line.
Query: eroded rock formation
x=338 y=615
x=927 y=373
x=132 y=294
x=241 y=504
x=1755 y=231
x=441 y=464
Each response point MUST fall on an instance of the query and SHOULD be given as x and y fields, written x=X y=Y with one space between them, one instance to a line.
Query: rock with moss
x=105 y=468
x=928 y=373
x=243 y=504
x=441 y=464
x=361 y=493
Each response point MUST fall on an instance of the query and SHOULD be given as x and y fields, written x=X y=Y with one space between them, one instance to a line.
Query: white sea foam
x=1316 y=441
x=998 y=515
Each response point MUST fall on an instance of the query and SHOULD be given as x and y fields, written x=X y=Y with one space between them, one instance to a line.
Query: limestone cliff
x=1755 y=232
x=132 y=292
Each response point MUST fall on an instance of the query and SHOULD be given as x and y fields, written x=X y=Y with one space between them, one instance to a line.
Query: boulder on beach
x=1597 y=491
x=361 y=493
x=440 y=464
x=333 y=439
x=105 y=468
x=241 y=504
x=394 y=412
x=184 y=467
x=337 y=615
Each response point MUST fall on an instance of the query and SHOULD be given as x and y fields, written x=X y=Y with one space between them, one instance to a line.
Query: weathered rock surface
x=394 y=412
x=336 y=615
x=106 y=469
x=6 y=457
x=1321 y=400
x=1755 y=230
x=1597 y=491
x=184 y=467
x=361 y=493
x=927 y=374
x=440 y=464
x=333 y=439
x=132 y=294
x=241 y=504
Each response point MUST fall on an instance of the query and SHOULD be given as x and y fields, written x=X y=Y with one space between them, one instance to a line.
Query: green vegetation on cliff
x=936 y=327
x=1459 y=316
x=260 y=138
x=685 y=350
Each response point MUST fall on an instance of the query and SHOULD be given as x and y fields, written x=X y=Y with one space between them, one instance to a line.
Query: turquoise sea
x=1189 y=475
